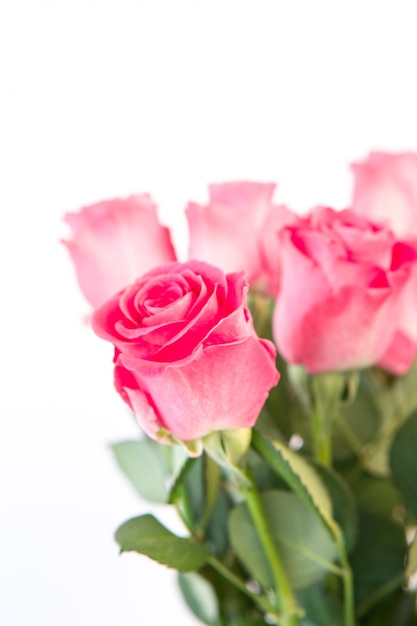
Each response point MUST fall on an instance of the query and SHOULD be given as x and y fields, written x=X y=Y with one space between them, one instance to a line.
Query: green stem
x=347 y=578
x=262 y=602
x=322 y=442
x=290 y=610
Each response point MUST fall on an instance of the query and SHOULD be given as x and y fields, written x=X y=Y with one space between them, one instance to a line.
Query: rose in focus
x=187 y=358
x=115 y=241
x=343 y=281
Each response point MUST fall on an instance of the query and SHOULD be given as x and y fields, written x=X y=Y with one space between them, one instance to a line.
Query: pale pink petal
x=226 y=231
x=113 y=242
x=278 y=217
x=385 y=191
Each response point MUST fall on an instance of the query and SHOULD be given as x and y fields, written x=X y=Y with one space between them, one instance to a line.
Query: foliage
x=338 y=513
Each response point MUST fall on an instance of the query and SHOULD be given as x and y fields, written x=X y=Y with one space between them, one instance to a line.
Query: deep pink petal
x=211 y=392
x=400 y=355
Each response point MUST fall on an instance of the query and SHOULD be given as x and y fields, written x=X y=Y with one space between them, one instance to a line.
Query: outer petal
x=303 y=285
x=408 y=306
x=400 y=355
x=225 y=232
x=385 y=190
x=279 y=217
x=115 y=241
x=209 y=393
x=334 y=312
x=350 y=329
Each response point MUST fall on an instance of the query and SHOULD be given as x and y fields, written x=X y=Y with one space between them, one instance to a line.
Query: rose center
x=161 y=296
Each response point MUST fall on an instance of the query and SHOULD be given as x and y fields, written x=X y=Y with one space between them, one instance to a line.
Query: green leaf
x=188 y=493
x=212 y=478
x=356 y=423
x=216 y=532
x=249 y=622
x=282 y=414
x=406 y=389
x=395 y=398
x=146 y=535
x=200 y=597
x=403 y=461
x=321 y=607
x=144 y=464
x=264 y=477
x=304 y=545
x=296 y=472
x=377 y=560
x=375 y=495
x=343 y=503
x=302 y=478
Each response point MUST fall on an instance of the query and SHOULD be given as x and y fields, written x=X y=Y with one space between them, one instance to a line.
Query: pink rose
x=342 y=282
x=385 y=191
x=188 y=361
x=271 y=263
x=115 y=241
x=231 y=229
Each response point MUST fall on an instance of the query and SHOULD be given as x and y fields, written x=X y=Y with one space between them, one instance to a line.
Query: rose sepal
x=228 y=448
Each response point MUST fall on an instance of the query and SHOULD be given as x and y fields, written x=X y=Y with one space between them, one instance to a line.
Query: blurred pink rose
x=271 y=259
x=233 y=230
x=342 y=284
x=385 y=191
x=115 y=241
x=188 y=361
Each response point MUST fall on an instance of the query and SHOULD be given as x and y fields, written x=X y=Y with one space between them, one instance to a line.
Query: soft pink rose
x=385 y=191
x=271 y=263
x=403 y=348
x=115 y=241
x=231 y=230
x=342 y=284
x=188 y=361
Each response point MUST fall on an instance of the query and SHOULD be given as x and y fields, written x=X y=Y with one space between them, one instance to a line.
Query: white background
x=110 y=98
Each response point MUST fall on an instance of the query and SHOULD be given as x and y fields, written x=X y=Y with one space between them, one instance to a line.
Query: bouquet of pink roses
x=274 y=375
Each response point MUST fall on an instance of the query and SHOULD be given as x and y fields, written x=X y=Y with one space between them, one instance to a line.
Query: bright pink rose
x=115 y=241
x=342 y=284
x=188 y=361
x=385 y=191
x=231 y=229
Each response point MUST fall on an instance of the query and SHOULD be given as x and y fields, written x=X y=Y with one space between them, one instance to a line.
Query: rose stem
x=321 y=436
x=282 y=584
x=262 y=602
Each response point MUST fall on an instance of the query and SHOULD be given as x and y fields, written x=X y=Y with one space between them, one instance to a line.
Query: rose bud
x=115 y=241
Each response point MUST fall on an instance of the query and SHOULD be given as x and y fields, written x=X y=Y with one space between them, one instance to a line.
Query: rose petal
x=210 y=393
x=115 y=241
x=385 y=191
